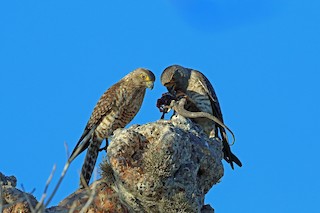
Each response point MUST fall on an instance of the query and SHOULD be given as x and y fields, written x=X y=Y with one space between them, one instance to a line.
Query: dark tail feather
x=89 y=162
x=228 y=155
x=236 y=160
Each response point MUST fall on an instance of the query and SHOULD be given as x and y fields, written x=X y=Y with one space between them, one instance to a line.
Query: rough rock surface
x=163 y=166
x=12 y=199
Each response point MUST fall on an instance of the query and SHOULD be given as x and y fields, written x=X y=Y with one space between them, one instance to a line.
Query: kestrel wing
x=207 y=86
x=102 y=108
x=105 y=104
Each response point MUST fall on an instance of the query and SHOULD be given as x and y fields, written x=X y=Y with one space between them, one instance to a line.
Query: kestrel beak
x=150 y=84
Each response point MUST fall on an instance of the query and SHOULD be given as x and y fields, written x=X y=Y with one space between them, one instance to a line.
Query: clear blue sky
x=263 y=58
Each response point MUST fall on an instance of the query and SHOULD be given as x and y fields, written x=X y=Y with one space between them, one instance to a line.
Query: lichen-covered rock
x=12 y=199
x=8 y=180
x=165 y=166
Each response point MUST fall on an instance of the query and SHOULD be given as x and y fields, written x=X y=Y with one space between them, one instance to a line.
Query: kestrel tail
x=115 y=109
x=201 y=97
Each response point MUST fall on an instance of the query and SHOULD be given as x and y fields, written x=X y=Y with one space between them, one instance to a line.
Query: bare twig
x=67 y=149
x=178 y=106
x=92 y=194
x=44 y=194
x=73 y=207
x=27 y=199
x=63 y=173
x=83 y=182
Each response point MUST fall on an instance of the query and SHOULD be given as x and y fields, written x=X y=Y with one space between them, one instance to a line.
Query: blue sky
x=262 y=57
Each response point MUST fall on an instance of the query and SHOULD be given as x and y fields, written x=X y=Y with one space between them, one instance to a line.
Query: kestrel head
x=175 y=78
x=142 y=77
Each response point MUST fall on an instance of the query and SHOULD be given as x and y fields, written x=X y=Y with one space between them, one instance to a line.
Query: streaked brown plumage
x=115 y=109
x=201 y=97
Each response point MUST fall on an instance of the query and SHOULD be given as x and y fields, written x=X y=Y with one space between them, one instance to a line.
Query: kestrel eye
x=143 y=76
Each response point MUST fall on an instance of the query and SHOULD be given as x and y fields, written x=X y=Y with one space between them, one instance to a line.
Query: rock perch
x=163 y=166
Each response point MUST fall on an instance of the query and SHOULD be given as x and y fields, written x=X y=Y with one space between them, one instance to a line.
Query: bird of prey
x=115 y=109
x=201 y=97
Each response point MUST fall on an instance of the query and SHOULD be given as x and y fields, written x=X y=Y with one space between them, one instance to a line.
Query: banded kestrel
x=115 y=109
x=201 y=97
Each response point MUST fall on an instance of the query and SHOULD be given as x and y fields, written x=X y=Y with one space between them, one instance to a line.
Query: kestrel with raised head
x=115 y=109
x=201 y=97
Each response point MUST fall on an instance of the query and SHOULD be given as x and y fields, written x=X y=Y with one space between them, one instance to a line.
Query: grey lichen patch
x=179 y=202
x=158 y=159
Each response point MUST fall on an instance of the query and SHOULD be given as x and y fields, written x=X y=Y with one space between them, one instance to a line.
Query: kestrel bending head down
x=201 y=97
x=115 y=109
